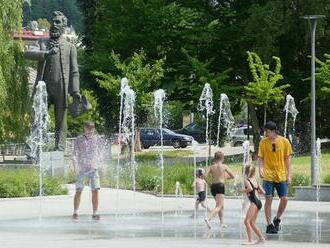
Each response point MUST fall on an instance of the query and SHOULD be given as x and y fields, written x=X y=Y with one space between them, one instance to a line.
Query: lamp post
x=313 y=21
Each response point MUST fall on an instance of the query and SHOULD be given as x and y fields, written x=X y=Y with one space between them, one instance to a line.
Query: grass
x=300 y=165
x=151 y=155
x=148 y=173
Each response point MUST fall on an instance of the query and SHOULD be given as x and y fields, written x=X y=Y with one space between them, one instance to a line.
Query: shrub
x=148 y=178
x=182 y=173
x=327 y=179
x=298 y=180
x=25 y=183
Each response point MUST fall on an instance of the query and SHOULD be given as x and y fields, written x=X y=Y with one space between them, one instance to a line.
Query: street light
x=313 y=21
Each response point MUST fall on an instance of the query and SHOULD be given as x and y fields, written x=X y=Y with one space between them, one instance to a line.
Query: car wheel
x=176 y=143
x=183 y=145
x=145 y=146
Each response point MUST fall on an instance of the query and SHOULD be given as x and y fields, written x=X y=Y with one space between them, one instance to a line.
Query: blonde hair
x=250 y=171
x=219 y=156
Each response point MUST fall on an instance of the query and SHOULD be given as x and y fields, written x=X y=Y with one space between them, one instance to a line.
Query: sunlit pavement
x=134 y=220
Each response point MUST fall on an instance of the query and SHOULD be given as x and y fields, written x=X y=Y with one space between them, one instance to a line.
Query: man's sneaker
x=96 y=217
x=74 y=217
x=271 y=229
x=277 y=222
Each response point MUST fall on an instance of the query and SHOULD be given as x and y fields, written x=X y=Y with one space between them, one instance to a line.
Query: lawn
x=300 y=165
x=177 y=167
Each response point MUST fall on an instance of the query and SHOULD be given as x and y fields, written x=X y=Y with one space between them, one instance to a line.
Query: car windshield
x=168 y=131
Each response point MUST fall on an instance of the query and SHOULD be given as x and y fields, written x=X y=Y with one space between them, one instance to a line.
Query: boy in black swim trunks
x=200 y=185
x=217 y=173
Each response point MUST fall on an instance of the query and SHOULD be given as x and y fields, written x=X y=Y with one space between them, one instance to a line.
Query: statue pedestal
x=308 y=193
x=53 y=163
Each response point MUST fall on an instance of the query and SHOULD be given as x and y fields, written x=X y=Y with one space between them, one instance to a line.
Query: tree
x=14 y=97
x=160 y=28
x=44 y=8
x=143 y=78
x=26 y=13
x=262 y=89
x=323 y=74
x=43 y=23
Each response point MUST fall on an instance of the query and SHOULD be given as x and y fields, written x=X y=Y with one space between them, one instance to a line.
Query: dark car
x=151 y=137
x=194 y=130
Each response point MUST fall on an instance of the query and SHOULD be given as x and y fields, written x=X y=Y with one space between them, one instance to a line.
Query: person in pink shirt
x=86 y=159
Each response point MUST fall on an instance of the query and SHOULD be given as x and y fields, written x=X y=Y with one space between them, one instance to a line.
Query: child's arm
x=206 y=174
x=194 y=183
x=247 y=188
x=231 y=175
x=205 y=182
x=261 y=190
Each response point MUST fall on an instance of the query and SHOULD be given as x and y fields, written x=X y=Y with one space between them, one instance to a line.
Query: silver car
x=239 y=134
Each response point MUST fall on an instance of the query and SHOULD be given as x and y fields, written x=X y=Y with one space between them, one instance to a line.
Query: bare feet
x=223 y=226
x=207 y=223
x=260 y=241
x=248 y=243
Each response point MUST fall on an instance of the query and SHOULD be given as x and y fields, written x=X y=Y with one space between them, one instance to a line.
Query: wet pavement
x=135 y=221
x=298 y=227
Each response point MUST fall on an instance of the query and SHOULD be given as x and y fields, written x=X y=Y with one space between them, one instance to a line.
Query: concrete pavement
x=19 y=220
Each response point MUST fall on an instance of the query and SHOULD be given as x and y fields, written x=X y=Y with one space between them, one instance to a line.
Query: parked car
x=194 y=130
x=151 y=137
x=239 y=134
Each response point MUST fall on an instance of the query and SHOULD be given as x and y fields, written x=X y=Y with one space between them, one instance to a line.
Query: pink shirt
x=87 y=152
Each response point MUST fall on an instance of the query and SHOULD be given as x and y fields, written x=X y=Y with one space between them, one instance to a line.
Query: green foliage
x=75 y=125
x=43 y=23
x=263 y=90
x=327 y=179
x=154 y=155
x=53 y=186
x=182 y=173
x=143 y=79
x=298 y=180
x=14 y=117
x=44 y=8
x=163 y=30
x=148 y=178
x=323 y=74
x=25 y=183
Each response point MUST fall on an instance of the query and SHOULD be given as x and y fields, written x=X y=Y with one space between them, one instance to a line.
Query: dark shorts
x=217 y=188
x=201 y=196
x=281 y=188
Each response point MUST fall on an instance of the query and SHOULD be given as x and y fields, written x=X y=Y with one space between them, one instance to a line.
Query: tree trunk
x=137 y=147
x=255 y=126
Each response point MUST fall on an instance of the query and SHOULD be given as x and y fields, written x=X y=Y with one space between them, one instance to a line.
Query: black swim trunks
x=217 y=188
x=201 y=196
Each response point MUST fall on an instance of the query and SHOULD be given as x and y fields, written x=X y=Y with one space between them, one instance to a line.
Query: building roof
x=31 y=34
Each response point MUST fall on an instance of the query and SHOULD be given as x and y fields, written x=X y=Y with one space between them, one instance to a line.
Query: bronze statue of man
x=58 y=68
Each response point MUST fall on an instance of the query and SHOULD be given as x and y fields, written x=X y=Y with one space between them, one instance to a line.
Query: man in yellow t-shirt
x=275 y=169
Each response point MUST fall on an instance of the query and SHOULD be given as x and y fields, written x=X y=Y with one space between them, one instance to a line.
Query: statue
x=58 y=68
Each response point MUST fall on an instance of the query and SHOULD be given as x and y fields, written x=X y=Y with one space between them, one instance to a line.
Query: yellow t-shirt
x=274 y=161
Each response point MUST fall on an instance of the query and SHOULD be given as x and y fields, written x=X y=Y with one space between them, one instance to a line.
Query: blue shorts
x=281 y=188
x=92 y=177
